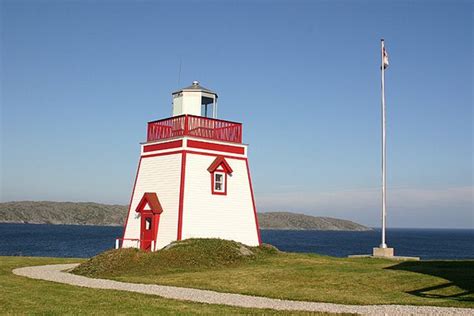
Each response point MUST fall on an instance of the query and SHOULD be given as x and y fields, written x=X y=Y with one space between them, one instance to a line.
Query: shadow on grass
x=458 y=274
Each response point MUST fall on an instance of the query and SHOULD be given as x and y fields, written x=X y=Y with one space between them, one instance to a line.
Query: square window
x=219 y=182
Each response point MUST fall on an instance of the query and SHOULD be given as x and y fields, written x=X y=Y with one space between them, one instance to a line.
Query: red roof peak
x=220 y=161
x=150 y=199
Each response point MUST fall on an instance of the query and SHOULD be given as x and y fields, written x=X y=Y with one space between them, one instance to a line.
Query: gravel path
x=56 y=273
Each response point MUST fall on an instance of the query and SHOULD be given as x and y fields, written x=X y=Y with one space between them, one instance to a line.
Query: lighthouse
x=193 y=178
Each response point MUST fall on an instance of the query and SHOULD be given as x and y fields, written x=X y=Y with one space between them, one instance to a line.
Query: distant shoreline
x=121 y=225
x=65 y=224
x=96 y=214
x=262 y=228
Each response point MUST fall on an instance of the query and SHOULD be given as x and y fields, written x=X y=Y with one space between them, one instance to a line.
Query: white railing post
x=117 y=243
x=152 y=245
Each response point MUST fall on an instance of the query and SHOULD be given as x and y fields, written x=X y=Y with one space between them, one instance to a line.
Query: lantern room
x=195 y=100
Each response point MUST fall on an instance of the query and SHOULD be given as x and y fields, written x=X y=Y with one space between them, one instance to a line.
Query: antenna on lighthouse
x=179 y=71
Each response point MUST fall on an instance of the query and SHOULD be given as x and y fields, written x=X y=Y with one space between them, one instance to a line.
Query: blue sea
x=87 y=241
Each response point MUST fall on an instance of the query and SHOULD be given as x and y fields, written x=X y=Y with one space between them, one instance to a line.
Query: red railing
x=197 y=126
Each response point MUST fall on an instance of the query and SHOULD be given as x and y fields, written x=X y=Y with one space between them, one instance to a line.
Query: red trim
x=216 y=147
x=167 y=145
x=196 y=126
x=186 y=125
x=157 y=225
x=151 y=199
x=131 y=198
x=181 y=196
x=145 y=243
x=198 y=116
x=253 y=202
x=155 y=211
x=222 y=166
x=191 y=152
x=220 y=162
x=214 y=155
x=163 y=154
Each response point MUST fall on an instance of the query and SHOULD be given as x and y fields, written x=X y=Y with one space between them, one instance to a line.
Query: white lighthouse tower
x=193 y=178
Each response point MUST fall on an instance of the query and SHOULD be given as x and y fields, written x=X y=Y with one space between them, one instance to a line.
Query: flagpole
x=384 y=151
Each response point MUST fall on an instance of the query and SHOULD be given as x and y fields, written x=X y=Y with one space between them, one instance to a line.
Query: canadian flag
x=384 y=58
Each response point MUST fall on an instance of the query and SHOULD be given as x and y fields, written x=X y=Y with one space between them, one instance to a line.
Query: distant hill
x=85 y=213
x=292 y=221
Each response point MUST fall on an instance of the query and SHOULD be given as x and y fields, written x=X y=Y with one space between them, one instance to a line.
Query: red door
x=146 y=233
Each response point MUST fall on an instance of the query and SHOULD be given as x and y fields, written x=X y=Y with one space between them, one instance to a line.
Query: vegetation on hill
x=222 y=266
x=102 y=214
x=286 y=220
x=180 y=256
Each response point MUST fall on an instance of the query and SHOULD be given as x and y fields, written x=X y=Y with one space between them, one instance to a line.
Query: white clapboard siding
x=228 y=216
x=160 y=174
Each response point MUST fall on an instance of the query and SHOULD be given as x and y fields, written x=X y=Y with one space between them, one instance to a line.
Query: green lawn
x=293 y=276
x=20 y=295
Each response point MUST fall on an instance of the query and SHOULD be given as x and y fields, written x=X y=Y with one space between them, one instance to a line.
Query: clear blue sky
x=80 y=79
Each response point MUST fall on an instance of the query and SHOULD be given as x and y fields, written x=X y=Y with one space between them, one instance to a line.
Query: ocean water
x=87 y=241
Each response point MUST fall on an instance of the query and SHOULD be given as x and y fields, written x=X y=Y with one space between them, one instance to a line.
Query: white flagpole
x=384 y=193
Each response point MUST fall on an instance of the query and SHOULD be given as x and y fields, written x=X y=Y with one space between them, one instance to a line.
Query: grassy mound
x=186 y=255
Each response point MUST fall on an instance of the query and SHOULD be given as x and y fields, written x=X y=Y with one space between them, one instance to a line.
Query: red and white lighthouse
x=193 y=178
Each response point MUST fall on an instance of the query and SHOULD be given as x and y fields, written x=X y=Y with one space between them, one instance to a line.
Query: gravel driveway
x=57 y=273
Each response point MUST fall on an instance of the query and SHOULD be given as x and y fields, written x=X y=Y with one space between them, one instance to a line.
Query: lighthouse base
x=383 y=252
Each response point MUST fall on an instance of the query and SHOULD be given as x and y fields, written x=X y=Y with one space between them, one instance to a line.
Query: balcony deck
x=196 y=126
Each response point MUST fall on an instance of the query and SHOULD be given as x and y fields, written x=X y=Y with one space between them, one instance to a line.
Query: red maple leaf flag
x=385 y=58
